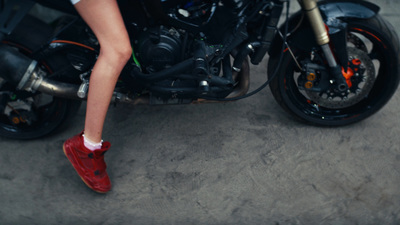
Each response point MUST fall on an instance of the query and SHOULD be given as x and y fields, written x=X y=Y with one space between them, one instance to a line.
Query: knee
x=125 y=53
x=119 y=53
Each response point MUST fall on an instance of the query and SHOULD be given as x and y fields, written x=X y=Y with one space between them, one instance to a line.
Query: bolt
x=308 y=85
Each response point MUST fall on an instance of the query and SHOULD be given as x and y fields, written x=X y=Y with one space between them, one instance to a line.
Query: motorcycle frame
x=268 y=32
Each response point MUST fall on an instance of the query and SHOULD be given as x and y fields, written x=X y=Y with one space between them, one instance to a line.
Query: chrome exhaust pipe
x=24 y=73
x=34 y=80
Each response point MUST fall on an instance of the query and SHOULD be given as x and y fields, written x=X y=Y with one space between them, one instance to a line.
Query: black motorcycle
x=333 y=63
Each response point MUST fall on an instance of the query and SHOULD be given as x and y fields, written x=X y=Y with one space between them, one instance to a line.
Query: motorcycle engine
x=159 y=48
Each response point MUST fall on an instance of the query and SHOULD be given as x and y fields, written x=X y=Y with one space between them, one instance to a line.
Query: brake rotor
x=360 y=77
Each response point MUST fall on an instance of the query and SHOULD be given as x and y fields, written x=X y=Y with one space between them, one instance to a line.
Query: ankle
x=91 y=145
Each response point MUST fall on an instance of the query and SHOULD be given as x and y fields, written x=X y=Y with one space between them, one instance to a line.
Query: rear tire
x=39 y=114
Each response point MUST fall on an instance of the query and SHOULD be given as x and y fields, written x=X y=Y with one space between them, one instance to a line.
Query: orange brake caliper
x=350 y=72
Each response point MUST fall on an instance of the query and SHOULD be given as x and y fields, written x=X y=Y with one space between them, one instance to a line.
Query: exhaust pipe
x=24 y=73
x=34 y=80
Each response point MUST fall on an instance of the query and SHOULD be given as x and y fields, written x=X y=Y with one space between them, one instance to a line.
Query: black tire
x=383 y=51
x=45 y=113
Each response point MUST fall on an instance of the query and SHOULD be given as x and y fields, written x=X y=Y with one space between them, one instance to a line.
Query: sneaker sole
x=101 y=192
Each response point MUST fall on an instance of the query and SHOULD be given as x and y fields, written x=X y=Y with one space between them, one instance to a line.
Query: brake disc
x=361 y=81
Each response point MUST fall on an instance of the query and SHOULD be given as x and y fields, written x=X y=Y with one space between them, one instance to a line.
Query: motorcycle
x=332 y=63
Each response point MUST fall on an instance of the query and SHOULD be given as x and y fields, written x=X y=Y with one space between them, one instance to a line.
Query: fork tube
x=311 y=9
x=321 y=34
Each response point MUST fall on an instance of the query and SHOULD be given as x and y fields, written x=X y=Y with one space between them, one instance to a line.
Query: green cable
x=135 y=59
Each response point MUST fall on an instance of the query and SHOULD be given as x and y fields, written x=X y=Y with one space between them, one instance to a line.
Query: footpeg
x=83 y=89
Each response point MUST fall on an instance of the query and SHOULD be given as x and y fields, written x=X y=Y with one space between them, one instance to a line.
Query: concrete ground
x=245 y=162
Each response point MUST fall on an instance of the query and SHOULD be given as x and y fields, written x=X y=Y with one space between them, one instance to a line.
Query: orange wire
x=74 y=43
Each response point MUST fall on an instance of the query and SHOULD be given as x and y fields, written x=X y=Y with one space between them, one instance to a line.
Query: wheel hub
x=360 y=77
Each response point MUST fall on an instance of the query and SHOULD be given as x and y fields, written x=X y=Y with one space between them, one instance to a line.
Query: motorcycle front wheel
x=374 y=45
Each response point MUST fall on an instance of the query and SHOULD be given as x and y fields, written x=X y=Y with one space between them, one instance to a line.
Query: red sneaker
x=90 y=165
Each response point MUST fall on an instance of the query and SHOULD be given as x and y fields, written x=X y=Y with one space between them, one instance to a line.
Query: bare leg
x=104 y=18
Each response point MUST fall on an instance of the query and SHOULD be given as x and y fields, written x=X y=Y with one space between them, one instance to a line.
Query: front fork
x=311 y=10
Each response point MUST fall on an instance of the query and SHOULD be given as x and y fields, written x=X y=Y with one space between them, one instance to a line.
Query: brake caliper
x=313 y=77
x=360 y=77
x=352 y=69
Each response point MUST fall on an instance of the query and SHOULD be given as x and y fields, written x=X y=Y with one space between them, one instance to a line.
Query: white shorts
x=74 y=1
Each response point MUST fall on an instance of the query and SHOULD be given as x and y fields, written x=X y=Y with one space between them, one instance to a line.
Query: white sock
x=90 y=144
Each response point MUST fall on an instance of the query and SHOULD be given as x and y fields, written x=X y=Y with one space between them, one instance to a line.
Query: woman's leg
x=105 y=20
